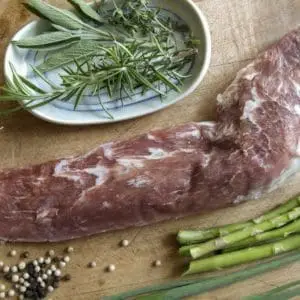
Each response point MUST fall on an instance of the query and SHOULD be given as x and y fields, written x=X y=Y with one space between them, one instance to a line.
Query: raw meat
x=171 y=173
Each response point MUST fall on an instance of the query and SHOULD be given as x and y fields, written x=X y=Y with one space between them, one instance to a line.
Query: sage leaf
x=87 y=10
x=46 y=40
x=56 y=15
x=80 y=51
x=55 y=47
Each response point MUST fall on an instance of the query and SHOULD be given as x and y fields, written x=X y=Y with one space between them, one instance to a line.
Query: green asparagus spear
x=243 y=256
x=282 y=232
x=185 y=237
x=262 y=238
x=230 y=239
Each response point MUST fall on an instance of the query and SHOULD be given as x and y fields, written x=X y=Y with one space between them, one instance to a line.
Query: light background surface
x=240 y=30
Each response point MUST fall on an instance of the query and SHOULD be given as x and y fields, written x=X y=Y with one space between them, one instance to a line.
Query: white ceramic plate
x=89 y=111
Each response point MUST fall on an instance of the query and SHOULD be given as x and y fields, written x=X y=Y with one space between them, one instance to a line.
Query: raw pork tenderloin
x=172 y=173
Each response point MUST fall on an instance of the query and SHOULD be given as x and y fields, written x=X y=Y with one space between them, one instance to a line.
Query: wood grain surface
x=240 y=30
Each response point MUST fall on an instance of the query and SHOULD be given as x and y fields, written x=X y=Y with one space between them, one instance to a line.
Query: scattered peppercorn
x=48 y=261
x=53 y=267
x=14 y=269
x=69 y=250
x=56 y=260
x=6 y=269
x=22 y=265
x=41 y=260
x=45 y=276
x=21 y=280
x=157 y=263
x=35 y=279
x=51 y=253
x=66 y=259
x=66 y=277
x=49 y=272
x=124 y=243
x=8 y=276
x=13 y=253
x=111 y=268
x=24 y=254
x=30 y=268
x=92 y=264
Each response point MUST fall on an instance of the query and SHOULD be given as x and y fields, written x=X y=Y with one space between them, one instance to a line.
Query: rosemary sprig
x=118 y=69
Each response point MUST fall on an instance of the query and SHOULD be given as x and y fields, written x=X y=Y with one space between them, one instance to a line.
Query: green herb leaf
x=47 y=39
x=56 y=15
x=87 y=10
x=79 y=96
x=80 y=51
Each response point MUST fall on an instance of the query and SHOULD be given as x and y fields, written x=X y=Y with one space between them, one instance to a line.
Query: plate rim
x=198 y=79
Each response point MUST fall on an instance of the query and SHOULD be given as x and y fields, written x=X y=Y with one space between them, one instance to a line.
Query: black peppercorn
x=24 y=254
x=30 y=268
x=66 y=277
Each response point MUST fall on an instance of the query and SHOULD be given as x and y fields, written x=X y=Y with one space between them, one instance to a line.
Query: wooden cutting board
x=240 y=30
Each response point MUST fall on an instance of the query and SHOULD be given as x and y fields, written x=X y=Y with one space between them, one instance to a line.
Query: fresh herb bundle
x=114 y=50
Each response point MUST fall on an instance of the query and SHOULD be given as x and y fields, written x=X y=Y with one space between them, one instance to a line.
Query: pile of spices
x=34 y=279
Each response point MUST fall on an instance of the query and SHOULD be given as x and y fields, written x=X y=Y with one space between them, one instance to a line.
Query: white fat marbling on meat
x=38 y=181
x=297 y=109
x=60 y=167
x=131 y=163
x=187 y=134
x=106 y=204
x=151 y=137
x=157 y=153
x=139 y=181
x=205 y=160
x=62 y=170
x=251 y=105
x=297 y=87
x=42 y=214
x=99 y=172
x=188 y=150
x=108 y=151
